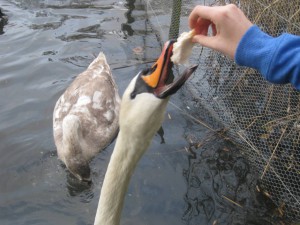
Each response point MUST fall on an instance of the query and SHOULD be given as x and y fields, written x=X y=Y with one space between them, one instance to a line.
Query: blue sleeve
x=277 y=59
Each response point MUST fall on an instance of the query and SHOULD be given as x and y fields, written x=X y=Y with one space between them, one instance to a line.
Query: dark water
x=43 y=46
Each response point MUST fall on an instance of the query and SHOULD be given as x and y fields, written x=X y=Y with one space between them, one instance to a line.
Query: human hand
x=228 y=24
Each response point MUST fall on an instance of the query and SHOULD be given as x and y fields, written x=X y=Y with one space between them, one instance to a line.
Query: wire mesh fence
x=262 y=118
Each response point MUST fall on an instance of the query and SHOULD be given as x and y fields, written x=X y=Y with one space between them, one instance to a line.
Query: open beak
x=158 y=77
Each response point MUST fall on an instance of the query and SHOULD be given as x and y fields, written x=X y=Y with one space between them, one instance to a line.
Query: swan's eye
x=149 y=71
x=133 y=94
x=145 y=71
x=140 y=85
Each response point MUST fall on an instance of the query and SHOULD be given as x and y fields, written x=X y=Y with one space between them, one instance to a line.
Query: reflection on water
x=221 y=187
x=44 y=45
x=3 y=21
x=126 y=27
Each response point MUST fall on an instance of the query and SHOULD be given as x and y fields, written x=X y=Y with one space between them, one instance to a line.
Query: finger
x=204 y=12
x=202 y=26
x=214 y=29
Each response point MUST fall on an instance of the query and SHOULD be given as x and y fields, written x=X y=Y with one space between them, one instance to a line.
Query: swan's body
x=85 y=118
x=142 y=111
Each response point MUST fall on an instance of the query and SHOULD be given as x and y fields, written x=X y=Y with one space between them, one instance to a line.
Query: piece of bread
x=182 y=49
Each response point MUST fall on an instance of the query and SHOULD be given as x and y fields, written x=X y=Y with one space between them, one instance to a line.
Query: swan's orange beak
x=159 y=76
x=161 y=67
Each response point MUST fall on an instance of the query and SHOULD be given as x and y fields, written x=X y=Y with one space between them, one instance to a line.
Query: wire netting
x=260 y=117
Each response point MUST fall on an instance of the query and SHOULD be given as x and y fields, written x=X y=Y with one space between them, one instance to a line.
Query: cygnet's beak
x=158 y=77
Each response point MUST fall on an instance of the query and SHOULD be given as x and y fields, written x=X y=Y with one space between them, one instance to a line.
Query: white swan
x=85 y=117
x=142 y=111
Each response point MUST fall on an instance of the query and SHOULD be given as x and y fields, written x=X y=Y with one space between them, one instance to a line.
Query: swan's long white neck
x=139 y=121
x=121 y=166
